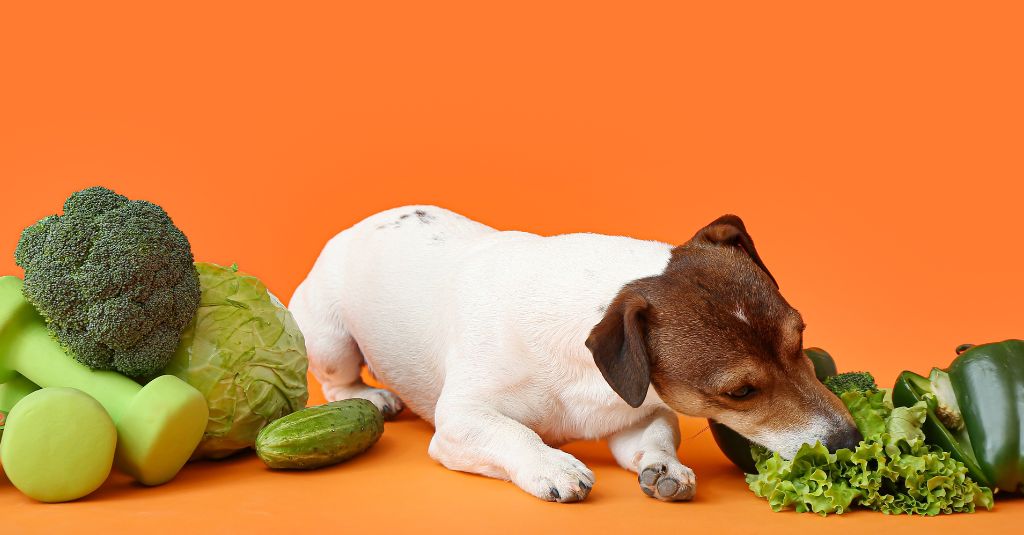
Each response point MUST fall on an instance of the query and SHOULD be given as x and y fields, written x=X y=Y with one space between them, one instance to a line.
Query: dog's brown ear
x=729 y=230
x=619 y=345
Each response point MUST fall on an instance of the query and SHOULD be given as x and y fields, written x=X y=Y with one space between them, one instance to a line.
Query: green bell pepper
x=735 y=446
x=11 y=393
x=976 y=411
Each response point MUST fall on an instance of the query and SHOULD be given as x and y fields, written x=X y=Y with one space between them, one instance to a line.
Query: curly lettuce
x=868 y=409
x=892 y=471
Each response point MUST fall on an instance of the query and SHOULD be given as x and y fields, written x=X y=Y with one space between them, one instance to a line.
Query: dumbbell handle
x=158 y=426
x=26 y=347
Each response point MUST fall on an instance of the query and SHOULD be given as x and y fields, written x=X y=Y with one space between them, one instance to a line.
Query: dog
x=512 y=343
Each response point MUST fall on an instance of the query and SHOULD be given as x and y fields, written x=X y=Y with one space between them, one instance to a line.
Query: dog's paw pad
x=667 y=486
x=668 y=482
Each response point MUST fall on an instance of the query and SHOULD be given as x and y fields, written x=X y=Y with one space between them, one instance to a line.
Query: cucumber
x=320 y=436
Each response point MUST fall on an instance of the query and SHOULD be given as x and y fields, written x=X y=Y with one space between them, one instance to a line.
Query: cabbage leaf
x=244 y=352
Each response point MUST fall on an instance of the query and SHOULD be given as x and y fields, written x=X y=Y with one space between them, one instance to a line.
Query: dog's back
x=417 y=287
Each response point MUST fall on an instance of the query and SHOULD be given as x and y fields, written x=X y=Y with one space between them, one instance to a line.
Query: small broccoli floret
x=114 y=279
x=851 y=382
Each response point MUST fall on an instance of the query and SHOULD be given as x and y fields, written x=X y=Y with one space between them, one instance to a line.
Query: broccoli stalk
x=114 y=279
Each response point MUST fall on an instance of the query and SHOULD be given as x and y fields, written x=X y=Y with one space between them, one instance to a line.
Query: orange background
x=875 y=153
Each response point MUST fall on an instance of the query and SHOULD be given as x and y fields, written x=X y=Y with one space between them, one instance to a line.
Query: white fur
x=787 y=442
x=482 y=333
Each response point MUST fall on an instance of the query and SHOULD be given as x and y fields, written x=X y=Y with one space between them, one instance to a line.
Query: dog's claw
x=390 y=410
x=389 y=404
x=668 y=483
x=573 y=495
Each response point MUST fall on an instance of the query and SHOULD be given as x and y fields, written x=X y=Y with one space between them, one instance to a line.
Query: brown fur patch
x=680 y=332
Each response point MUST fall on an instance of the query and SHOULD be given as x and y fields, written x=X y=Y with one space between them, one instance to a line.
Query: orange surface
x=874 y=151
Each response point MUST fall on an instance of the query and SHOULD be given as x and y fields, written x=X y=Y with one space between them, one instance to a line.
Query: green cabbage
x=245 y=354
x=892 y=470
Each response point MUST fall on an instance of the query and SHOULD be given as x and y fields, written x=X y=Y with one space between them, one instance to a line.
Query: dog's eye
x=741 y=392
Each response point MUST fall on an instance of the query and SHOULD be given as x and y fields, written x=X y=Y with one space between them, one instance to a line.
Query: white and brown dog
x=511 y=343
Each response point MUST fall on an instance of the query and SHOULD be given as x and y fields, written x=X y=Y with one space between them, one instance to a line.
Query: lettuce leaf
x=811 y=481
x=869 y=411
x=892 y=471
x=905 y=422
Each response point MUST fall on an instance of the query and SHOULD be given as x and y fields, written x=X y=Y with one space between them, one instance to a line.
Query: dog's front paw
x=559 y=477
x=386 y=401
x=668 y=481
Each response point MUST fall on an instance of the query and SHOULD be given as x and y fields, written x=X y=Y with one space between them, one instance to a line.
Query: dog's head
x=716 y=339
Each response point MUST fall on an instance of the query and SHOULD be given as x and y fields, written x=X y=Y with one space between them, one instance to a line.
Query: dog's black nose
x=846 y=437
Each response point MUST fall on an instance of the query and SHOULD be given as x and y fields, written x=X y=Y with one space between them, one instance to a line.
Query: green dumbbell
x=11 y=393
x=58 y=445
x=158 y=425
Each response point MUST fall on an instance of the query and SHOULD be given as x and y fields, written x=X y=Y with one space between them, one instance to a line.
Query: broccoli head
x=114 y=279
x=851 y=382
